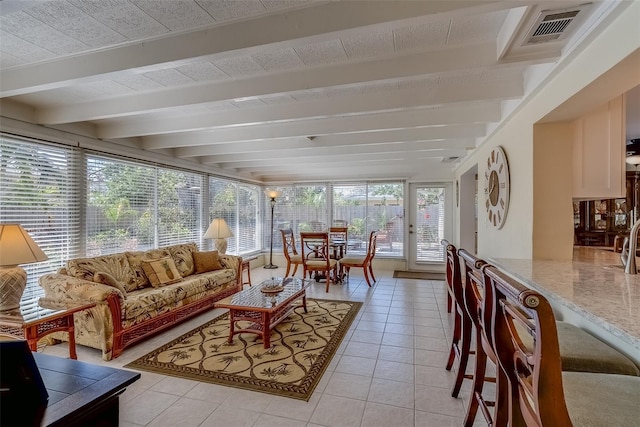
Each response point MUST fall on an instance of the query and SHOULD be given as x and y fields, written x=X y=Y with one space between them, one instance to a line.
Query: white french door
x=430 y=220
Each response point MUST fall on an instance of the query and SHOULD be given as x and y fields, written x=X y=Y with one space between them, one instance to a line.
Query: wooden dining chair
x=290 y=251
x=316 y=258
x=365 y=262
x=460 y=347
x=339 y=235
x=540 y=393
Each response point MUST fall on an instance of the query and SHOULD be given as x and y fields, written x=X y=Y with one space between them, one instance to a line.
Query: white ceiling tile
x=175 y=15
x=122 y=16
x=76 y=24
x=169 y=77
x=25 y=26
x=202 y=71
x=23 y=49
x=326 y=52
x=137 y=82
x=367 y=45
x=239 y=66
x=7 y=60
x=222 y=10
x=280 y=60
x=478 y=28
x=421 y=37
x=111 y=88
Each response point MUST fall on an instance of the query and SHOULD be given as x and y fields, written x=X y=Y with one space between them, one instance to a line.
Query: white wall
x=585 y=64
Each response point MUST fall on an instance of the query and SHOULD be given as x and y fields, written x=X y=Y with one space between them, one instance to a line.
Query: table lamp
x=16 y=247
x=219 y=230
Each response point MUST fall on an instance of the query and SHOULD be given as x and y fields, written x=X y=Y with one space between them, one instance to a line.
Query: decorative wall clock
x=496 y=187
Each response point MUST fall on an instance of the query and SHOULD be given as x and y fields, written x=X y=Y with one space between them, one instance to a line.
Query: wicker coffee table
x=264 y=310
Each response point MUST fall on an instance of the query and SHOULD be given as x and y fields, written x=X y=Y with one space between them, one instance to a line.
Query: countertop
x=593 y=284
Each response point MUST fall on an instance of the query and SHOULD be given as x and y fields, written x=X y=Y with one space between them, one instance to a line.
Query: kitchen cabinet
x=599 y=151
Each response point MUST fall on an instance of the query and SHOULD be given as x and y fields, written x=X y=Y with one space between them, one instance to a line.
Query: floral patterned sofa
x=139 y=293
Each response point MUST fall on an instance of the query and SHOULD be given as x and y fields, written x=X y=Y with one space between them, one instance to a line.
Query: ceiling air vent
x=552 y=25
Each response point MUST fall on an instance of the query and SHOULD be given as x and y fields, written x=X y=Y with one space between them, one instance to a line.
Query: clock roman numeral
x=502 y=203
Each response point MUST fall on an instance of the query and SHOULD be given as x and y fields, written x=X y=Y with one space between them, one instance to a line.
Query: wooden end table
x=36 y=324
x=264 y=311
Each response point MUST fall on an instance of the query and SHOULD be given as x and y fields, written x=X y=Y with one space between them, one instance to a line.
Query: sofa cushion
x=116 y=265
x=149 y=302
x=109 y=280
x=182 y=255
x=206 y=261
x=135 y=261
x=161 y=271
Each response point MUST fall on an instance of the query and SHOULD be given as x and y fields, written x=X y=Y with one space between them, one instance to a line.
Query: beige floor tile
x=396 y=354
x=365 y=325
x=292 y=408
x=372 y=337
x=184 y=413
x=379 y=415
x=437 y=358
x=437 y=400
x=336 y=411
x=398 y=340
x=356 y=365
x=348 y=385
x=393 y=393
x=395 y=371
x=362 y=349
x=266 y=420
x=428 y=419
x=249 y=400
x=146 y=406
x=177 y=386
x=434 y=376
x=210 y=392
x=227 y=416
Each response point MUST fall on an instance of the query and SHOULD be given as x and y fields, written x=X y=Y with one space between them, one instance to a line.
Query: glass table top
x=254 y=297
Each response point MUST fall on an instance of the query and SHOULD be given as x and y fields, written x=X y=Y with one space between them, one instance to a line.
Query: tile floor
x=389 y=370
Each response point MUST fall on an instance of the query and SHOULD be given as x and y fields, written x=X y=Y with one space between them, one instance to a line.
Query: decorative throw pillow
x=109 y=280
x=206 y=261
x=161 y=271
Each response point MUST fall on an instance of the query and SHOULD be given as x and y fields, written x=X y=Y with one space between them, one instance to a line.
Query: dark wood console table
x=81 y=394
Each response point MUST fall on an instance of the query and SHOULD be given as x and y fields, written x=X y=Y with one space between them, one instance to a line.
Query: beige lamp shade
x=633 y=160
x=273 y=194
x=219 y=230
x=16 y=247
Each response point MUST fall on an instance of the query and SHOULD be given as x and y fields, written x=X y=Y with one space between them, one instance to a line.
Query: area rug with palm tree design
x=302 y=346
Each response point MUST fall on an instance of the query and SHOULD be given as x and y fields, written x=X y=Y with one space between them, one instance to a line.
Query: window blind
x=121 y=198
x=39 y=190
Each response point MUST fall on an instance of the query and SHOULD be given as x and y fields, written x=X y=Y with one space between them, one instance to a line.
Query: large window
x=78 y=203
x=367 y=207
x=39 y=190
x=138 y=207
x=237 y=204
x=362 y=207
x=301 y=208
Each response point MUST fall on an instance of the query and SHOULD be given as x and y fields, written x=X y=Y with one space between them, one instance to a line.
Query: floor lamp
x=272 y=194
